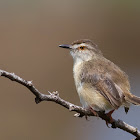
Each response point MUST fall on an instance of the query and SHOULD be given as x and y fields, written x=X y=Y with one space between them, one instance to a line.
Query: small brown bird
x=101 y=85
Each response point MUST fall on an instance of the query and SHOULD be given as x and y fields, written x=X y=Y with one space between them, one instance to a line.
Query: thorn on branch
x=37 y=100
x=71 y=107
x=30 y=83
x=80 y=115
x=13 y=76
x=49 y=92
x=54 y=93
x=77 y=115
x=136 y=130
x=13 y=73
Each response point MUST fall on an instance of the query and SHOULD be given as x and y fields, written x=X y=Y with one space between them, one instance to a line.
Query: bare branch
x=54 y=97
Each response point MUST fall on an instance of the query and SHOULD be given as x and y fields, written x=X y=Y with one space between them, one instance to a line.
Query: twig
x=54 y=97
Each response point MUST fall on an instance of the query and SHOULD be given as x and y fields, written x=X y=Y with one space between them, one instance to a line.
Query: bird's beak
x=65 y=46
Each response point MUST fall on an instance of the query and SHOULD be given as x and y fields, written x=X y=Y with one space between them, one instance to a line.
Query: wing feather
x=106 y=87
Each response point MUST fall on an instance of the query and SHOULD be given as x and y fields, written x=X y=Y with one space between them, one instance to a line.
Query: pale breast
x=77 y=68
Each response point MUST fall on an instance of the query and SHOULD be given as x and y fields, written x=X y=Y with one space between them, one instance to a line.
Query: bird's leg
x=94 y=112
x=110 y=117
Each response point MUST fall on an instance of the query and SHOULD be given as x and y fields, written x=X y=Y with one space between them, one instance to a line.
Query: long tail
x=133 y=99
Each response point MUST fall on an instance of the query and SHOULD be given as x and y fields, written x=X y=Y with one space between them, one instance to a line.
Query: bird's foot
x=94 y=112
x=110 y=117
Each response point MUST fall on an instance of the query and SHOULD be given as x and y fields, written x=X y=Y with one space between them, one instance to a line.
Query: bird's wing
x=106 y=87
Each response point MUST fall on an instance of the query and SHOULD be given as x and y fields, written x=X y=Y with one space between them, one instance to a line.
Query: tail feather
x=133 y=99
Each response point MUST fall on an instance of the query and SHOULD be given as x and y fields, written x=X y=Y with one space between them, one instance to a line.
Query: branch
x=54 y=97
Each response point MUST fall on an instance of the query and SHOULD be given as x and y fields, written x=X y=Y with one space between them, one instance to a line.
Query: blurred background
x=30 y=32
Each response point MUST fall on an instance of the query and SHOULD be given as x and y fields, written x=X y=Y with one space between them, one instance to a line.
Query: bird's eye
x=82 y=47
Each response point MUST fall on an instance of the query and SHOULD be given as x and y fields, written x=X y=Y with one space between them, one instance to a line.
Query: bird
x=101 y=84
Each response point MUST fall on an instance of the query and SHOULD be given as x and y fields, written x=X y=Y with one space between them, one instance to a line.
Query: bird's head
x=83 y=50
